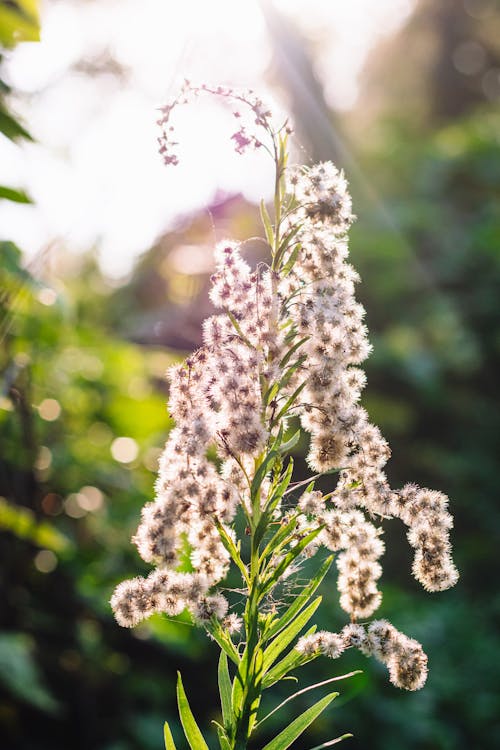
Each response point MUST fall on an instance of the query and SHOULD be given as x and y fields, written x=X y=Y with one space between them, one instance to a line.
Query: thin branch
x=305 y=690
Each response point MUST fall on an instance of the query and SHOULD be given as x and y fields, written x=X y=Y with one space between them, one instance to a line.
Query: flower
x=288 y=340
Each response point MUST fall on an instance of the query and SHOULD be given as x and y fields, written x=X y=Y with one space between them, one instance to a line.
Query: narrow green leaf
x=284 y=480
x=223 y=740
x=264 y=468
x=237 y=328
x=229 y=544
x=11 y=194
x=300 y=601
x=282 y=536
x=191 y=729
x=243 y=692
x=282 y=147
x=255 y=692
x=305 y=690
x=288 y=634
x=291 y=442
x=222 y=638
x=290 y=401
x=291 y=661
x=275 y=574
x=291 y=260
x=299 y=725
x=14 y=27
x=276 y=494
x=238 y=685
x=270 y=394
x=225 y=689
x=169 y=740
x=291 y=334
x=291 y=370
x=279 y=437
x=10 y=127
x=266 y=221
x=286 y=359
x=278 y=491
x=284 y=246
x=285 y=242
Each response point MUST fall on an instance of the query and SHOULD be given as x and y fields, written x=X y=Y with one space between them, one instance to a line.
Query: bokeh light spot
x=52 y=504
x=73 y=507
x=44 y=458
x=47 y=296
x=90 y=498
x=45 y=561
x=124 y=449
x=49 y=409
x=22 y=359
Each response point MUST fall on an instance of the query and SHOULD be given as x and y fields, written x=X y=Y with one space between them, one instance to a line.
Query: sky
x=94 y=172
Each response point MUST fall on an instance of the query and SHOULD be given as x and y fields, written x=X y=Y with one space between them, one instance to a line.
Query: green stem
x=277 y=203
x=252 y=676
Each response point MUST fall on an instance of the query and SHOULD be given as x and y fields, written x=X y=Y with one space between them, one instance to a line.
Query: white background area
x=94 y=172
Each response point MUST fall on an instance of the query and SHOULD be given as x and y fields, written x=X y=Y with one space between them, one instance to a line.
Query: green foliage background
x=428 y=250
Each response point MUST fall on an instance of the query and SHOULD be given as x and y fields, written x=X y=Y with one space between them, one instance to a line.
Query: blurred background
x=104 y=264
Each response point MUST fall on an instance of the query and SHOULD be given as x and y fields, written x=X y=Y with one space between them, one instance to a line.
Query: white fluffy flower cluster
x=360 y=547
x=320 y=298
x=425 y=512
x=358 y=565
x=403 y=656
x=302 y=311
x=215 y=399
